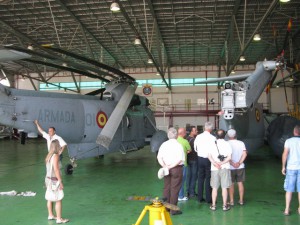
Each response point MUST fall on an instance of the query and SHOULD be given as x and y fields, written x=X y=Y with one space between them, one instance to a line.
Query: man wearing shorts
x=220 y=169
x=291 y=169
x=237 y=166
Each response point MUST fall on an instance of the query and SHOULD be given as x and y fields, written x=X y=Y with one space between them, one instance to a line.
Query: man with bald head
x=237 y=166
x=171 y=156
x=187 y=149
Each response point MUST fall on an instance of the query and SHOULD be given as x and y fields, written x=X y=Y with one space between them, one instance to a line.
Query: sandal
x=286 y=214
x=226 y=207
x=230 y=203
x=59 y=221
x=213 y=207
x=241 y=203
x=51 y=218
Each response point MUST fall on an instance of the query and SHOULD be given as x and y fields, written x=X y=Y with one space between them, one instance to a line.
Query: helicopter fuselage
x=77 y=118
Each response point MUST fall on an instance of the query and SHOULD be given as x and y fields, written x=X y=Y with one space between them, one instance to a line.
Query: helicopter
x=241 y=111
x=118 y=120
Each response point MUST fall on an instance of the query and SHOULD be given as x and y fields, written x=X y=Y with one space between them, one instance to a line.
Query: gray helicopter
x=239 y=107
x=92 y=126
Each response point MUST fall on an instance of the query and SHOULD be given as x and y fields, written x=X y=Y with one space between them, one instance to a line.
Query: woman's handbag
x=53 y=192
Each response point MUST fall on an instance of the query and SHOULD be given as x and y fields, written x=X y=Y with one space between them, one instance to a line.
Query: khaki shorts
x=238 y=175
x=220 y=177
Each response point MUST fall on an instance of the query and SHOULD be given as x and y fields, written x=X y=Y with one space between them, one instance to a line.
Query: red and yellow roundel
x=101 y=119
x=257 y=115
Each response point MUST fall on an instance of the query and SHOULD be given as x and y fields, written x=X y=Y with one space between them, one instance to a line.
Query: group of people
x=56 y=146
x=210 y=159
x=217 y=162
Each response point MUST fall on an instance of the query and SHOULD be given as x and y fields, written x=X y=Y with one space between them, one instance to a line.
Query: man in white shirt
x=171 y=155
x=237 y=166
x=219 y=157
x=203 y=144
x=291 y=169
x=50 y=136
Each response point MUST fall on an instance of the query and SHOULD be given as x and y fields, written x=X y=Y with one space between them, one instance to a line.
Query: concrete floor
x=97 y=192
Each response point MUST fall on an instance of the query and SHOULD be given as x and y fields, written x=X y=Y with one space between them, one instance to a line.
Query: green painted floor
x=97 y=191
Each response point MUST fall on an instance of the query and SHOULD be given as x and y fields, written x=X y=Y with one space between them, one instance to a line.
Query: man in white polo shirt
x=203 y=144
x=171 y=156
x=50 y=136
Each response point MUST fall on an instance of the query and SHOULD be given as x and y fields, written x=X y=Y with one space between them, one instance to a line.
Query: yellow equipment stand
x=157 y=214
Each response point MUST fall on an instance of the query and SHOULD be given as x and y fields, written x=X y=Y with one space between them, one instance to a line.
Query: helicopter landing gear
x=68 y=169
x=99 y=157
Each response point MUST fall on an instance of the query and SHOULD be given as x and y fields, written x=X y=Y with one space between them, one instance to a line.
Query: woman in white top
x=53 y=173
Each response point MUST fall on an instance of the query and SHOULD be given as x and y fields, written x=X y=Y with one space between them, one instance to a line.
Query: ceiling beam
x=158 y=30
x=90 y=33
x=268 y=12
x=237 y=5
x=150 y=56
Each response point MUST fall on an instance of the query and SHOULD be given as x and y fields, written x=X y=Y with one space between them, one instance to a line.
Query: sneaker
x=213 y=207
x=183 y=199
x=226 y=207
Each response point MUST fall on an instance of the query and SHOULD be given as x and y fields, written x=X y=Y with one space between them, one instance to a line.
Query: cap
x=231 y=133
x=162 y=172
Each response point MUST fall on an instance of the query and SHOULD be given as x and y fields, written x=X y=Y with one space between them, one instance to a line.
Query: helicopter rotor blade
x=108 y=132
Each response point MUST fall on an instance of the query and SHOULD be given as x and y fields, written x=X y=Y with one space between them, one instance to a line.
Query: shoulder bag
x=53 y=192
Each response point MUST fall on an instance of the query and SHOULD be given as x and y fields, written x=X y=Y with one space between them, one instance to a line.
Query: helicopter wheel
x=68 y=169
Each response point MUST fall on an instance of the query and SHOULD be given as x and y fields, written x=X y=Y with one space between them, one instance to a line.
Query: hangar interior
x=182 y=40
x=167 y=46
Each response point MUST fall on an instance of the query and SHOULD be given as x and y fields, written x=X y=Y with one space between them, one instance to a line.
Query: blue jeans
x=192 y=176
x=181 y=192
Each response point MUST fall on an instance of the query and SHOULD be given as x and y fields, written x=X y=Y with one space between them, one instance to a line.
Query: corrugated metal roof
x=174 y=32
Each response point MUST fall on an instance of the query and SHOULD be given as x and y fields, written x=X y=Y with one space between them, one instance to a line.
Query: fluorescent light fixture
x=257 y=37
x=114 y=7
x=242 y=58
x=284 y=0
x=232 y=71
x=150 y=61
x=157 y=74
x=137 y=41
